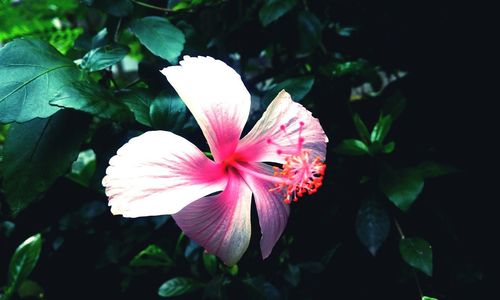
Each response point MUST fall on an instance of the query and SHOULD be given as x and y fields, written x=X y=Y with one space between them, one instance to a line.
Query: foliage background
x=407 y=68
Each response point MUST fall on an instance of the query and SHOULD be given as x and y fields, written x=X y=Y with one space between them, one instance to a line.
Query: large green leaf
x=103 y=57
x=38 y=152
x=178 y=286
x=139 y=102
x=22 y=263
x=93 y=99
x=152 y=256
x=168 y=112
x=402 y=187
x=417 y=253
x=297 y=87
x=274 y=9
x=160 y=37
x=31 y=72
x=372 y=225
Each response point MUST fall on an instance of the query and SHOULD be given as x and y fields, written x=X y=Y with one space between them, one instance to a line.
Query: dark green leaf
x=259 y=288
x=210 y=263
x=178 y=286
x=393 y=106
x=352 y=147
x=103 y=57
x=91 y=98
x=389 y=147
x=30 y=289
x=402 y=187
x=298 y=88
x=274 y=9
x=168 y=112
x=152 y=256
x=38 y=152
x=83 y=168
x=31 y=72
x=23 y=262
x=314 y=267
x=361 y=128
x=372 y=225
x=159 y=36
x=139 y=102
x=417 y=253
x=381 y=129
x=292 y=275
x=309 y=32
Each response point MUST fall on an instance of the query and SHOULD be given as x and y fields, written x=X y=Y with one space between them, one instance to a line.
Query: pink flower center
x=300 y=174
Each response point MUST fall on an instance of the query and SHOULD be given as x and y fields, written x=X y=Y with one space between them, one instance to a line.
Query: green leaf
x=393 y=106
x=117 y=8
x=352 y=147
x=402 y=187
x=431 y=169
x=30 y=289
x=178 y=286
x=210 y=263
x=310 y=31
x=297 y=87
x=168 y=112
x=31 y=72
x=274 y=9
x=38 y=152
x=428 y=298
x=292 y=275
x=91 y=98
x=381 y=129
x=361 y=128
x=160 y=37
x=389 y=147
x=103 y=57
x=417 y=253
x=23 y=262
x=139 y=102
x=152 y=256
x=372 y=225
x=83 y=168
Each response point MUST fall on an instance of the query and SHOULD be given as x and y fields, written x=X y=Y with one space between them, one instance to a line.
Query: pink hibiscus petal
x=159 y=173
x=273 y=212
x=220 y=223
x=278 y=131
x=217 y=98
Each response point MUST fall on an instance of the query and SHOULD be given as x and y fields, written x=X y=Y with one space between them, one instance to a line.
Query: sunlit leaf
x=38 y=152
x=28 y=81
x=417 y=253
x=159 y=36
x=178 y=286
x=274 y=9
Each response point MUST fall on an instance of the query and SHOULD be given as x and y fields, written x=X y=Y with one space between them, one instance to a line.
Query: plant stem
x=151 y=6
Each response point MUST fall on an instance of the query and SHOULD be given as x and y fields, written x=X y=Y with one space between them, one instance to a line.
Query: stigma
x=300 y=174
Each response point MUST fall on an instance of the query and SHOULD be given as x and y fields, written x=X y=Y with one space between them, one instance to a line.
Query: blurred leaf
x=394 y=106
x=152 y=256
x=402 y=187
x=232 y=270
x=430 y=169
x=22 y=263
x=314 y=267
x=417 y=253
x=210 y=263
x=361 y=128
x=100 y=58
x=168 y=112
x=381 y=129
x=159 y=36
x=117 y=8
x=274 y=9
x=30 y=289
x=297 y=87
x=101 y=39
x=372 y=225
x=6 y=228
x=91 y=98
x=38 y=152
x=389 y=147
x=139 y=102
x=28 y=81
x=262 y=289
x=309 y=29
x=83 y=168
x=178 y=286
x=428 y=298
x=292 y=275
x=352 y=147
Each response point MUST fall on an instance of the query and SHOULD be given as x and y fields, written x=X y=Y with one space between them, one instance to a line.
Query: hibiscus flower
x=160 y=173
